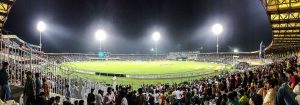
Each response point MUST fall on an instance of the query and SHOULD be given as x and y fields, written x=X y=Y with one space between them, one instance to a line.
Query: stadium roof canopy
x=5 y=6
x=284 y=15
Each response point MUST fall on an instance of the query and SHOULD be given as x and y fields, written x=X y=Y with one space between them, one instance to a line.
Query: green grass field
x=141 y=67
x=132 y=67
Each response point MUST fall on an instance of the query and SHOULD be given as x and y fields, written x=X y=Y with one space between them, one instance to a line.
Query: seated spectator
x=285 y=96
x=51 y=101
x=232 y=99
x=81 y=102
x=66 y=103
x=41 y=99
x=256 y=99
x=57 y=100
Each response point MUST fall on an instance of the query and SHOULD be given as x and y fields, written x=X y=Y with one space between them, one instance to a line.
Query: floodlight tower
x=156 y=37
x=100 y=35
x=41 y=26
x=217 y=29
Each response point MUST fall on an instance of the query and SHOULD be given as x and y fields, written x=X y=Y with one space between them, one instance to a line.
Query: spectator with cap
x=5 y=89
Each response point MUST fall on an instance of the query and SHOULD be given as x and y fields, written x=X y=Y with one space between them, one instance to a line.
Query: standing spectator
x=99 y=97
x=141 y=98
x=293 y=78
x=178 y=94
x=156 y=97
x=245 y=80
x=38 y=84
x=46 y=88
x=151 y=98
x=124 y=100
x=68 y=94
x=269 y=98
x=91 y=98
x=109 y=97
x=232 y=99
x=188 y=97
x=29 y=90
x=243 y=98
x=5 y=89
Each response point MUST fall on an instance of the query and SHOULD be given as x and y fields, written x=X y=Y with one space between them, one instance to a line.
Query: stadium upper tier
x=175 y=56
x=284 y=16
x=5 y=6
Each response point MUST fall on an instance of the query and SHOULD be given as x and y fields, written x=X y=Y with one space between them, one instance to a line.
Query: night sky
x=185 y=25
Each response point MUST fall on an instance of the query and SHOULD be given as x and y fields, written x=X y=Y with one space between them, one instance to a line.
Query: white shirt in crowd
x=156 y=98
x=99 y=99
x=178 y=94
x=124 y=101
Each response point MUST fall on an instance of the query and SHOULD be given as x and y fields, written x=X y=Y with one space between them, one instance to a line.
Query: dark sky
x=184 y=24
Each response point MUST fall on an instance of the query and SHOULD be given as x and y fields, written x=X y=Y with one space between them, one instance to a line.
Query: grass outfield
x=141 y=67
x=131 y=67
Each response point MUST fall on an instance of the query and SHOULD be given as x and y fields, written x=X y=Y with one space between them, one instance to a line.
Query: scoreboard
x=103 y=54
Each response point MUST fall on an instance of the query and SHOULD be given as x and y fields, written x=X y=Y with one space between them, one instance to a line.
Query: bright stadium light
x=156 y=37
x=41 y=26
x=101 y=36
x=217 y=29
x=235 y=50
x=152 y=49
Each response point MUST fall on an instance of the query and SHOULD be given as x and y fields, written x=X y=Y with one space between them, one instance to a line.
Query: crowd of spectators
x=274 y=84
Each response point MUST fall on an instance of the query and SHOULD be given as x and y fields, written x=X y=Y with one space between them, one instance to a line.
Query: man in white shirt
x=156 y=97
x=99 y=98
x=178 y=94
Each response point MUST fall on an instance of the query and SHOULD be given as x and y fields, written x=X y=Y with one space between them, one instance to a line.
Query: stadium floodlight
x=156 y=37
x=41 y=26
x=101 y=36
x=217 y=29
x=236 y=51
x=152 y=49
